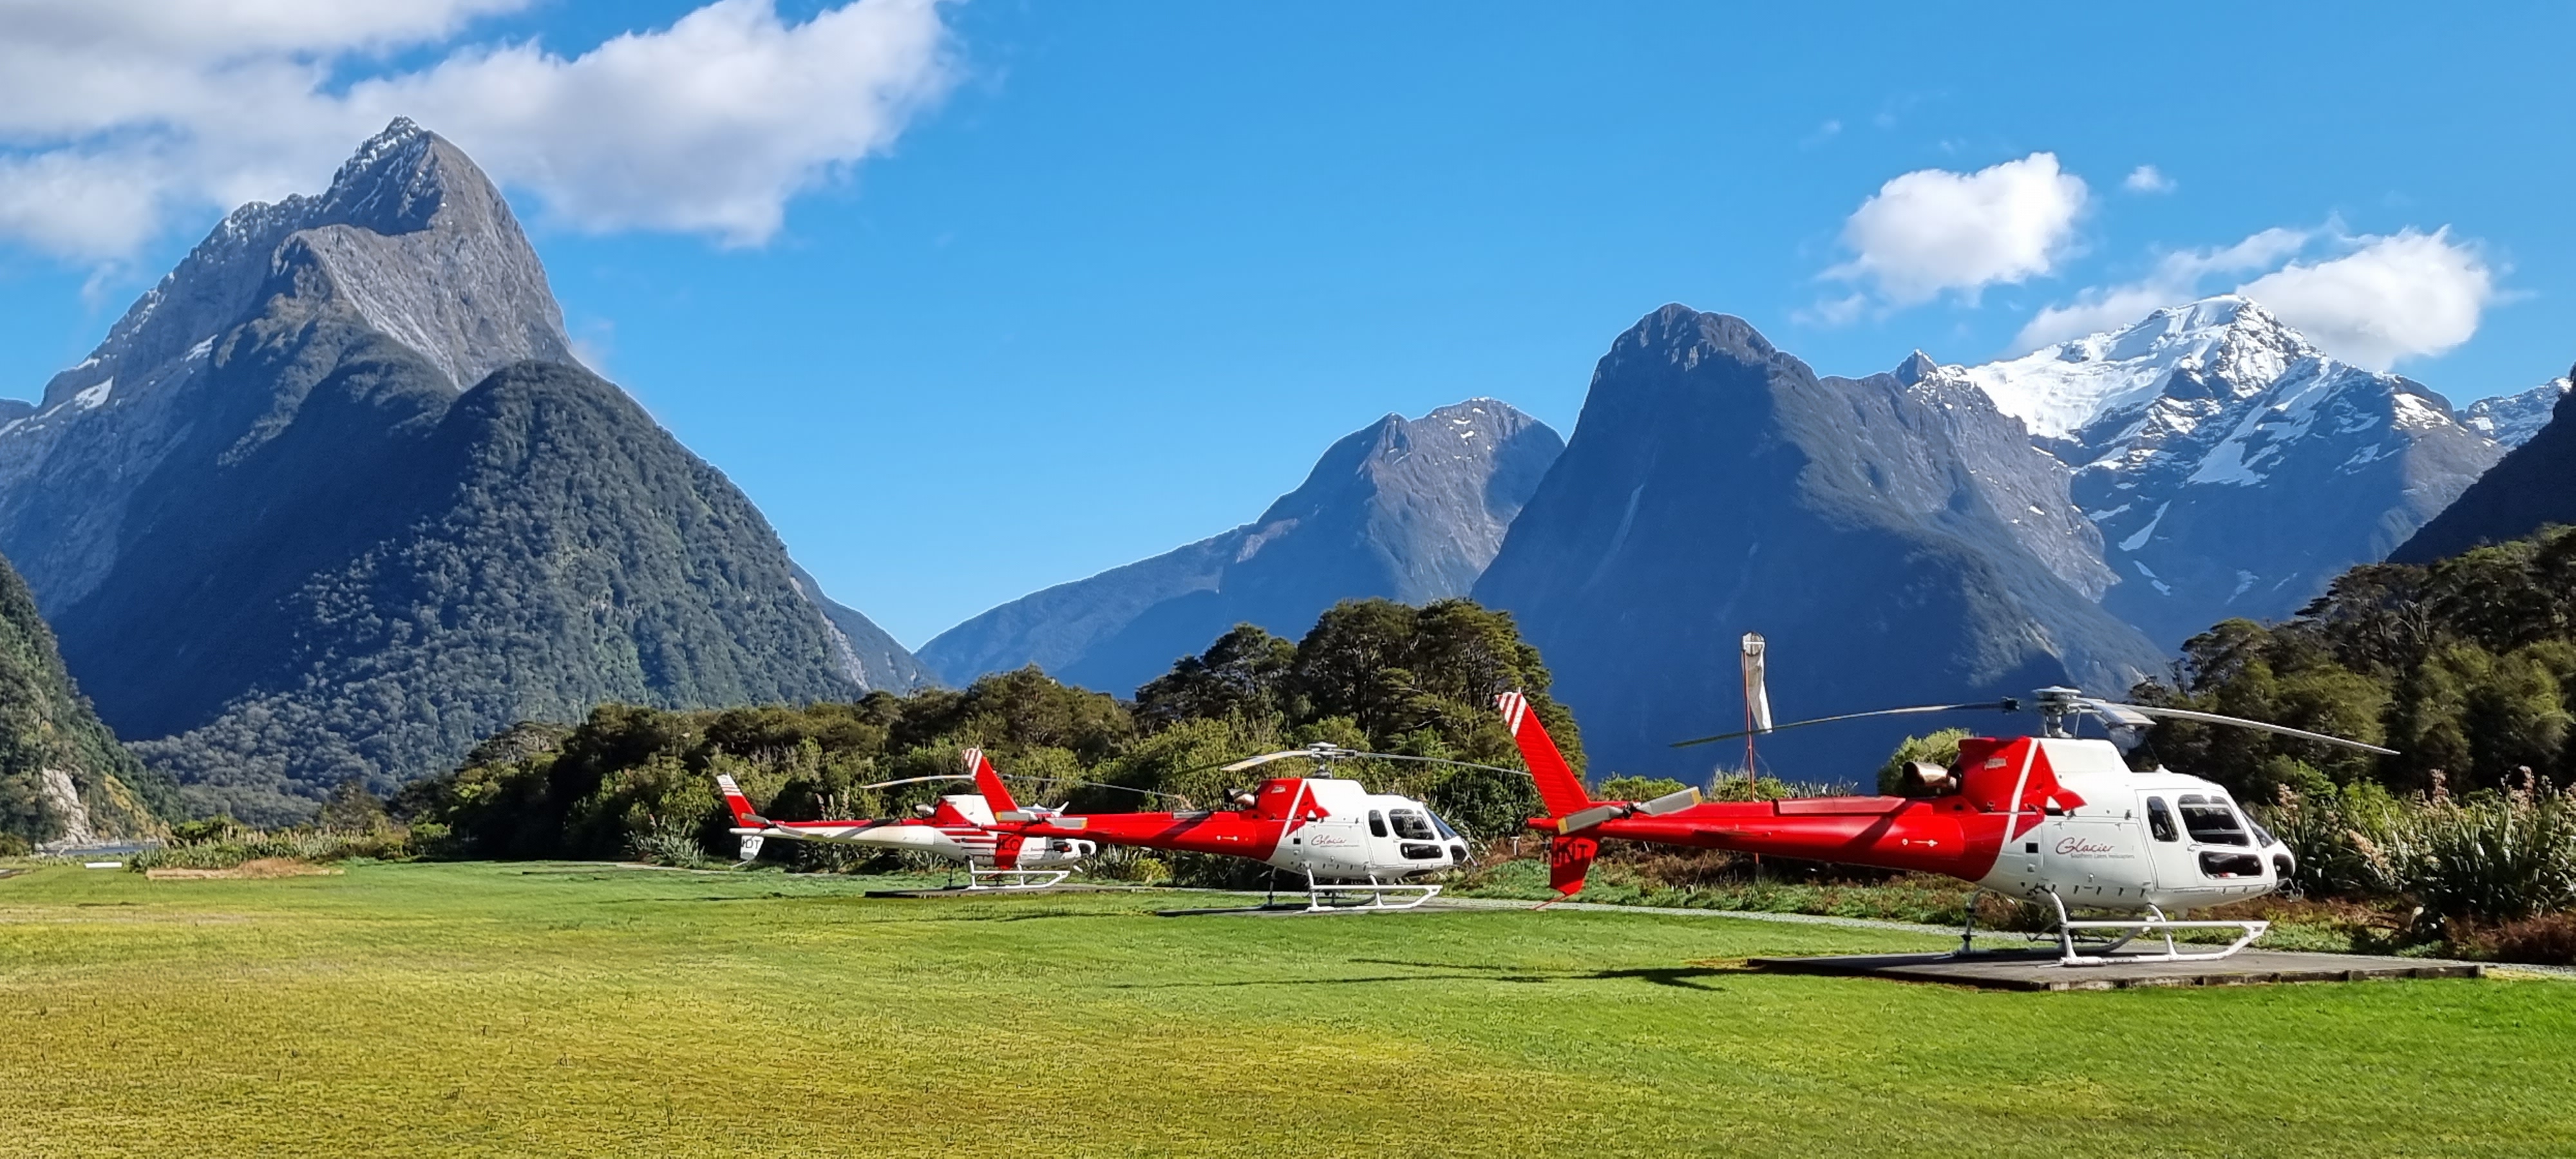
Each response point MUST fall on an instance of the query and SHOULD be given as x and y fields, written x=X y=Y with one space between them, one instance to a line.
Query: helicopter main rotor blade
x=1669 y=803
x=2241 y=722
x=2005 y=705
x=1440 y=761
x=915 y=781
x=1263 y=759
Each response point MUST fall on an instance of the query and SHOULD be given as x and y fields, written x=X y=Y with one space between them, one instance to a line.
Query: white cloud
x=2378 y=300
x=2147 y=179
x=1934 y=230
x=2404 y=295
x=2177 y=277
x=123 y=114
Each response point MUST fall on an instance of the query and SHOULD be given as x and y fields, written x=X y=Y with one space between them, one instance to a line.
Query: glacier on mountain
x=2231 y=464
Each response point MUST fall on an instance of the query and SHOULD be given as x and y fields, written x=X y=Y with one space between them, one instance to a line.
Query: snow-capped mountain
x=2233 y=468
x=2511 y=419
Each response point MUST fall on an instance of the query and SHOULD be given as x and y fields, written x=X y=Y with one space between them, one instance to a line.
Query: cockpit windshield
x=1446 y=833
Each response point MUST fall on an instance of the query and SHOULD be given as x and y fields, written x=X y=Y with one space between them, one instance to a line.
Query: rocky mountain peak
x=402 y=178
x=2512 y=419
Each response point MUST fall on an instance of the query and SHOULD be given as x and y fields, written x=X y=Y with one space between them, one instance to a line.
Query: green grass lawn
x=514 y=1009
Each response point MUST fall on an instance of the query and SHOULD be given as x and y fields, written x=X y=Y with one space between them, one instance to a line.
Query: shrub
x=668 y=841
x=2549 y=939
x=234 y=845
x=2496 y=856
x=1940 y=748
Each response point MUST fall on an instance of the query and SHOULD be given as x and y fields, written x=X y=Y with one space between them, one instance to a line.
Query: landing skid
x=1014 y=878
x=1320 y=895
x=2155 y=924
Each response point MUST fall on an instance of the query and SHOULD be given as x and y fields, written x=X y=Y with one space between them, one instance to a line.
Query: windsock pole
x=1757 y=701
x=1757 y=717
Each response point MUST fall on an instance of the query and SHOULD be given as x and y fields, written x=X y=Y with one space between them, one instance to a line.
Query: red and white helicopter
x=1346 y=841
x=984 y=830
x=2054 y=819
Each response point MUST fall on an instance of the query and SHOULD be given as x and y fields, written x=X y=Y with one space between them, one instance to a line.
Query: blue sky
x=1105 y=278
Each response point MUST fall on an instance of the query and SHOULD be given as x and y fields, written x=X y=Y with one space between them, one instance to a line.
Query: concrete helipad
x=2039 y=969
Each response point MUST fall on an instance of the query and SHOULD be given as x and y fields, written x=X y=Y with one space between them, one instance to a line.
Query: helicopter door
x=1333 y=846
x=2094 y=858
x=2167 y=848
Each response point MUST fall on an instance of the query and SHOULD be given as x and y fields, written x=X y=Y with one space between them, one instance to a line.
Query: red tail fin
x=1568 y=859
x=1558 y=788
x=996 y=795
x=743 y=814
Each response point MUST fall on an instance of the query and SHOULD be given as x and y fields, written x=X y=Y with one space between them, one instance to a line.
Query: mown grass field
x=514 y=1009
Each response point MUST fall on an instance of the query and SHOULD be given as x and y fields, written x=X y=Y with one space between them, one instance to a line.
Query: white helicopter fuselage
x=1340 y=832
x=2112 y=839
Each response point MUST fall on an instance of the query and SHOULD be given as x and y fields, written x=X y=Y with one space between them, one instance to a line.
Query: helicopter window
x=1410 y=826
x=2262 y=836
x=1446 y=833
x=1377 y=823
x=2216 y=864
x=1418 y=852
x=2211 y=822
x=2160 y=820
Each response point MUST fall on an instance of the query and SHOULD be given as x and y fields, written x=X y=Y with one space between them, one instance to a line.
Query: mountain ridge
x=1716 y=485
x=2526 y=491
x=1408 y=509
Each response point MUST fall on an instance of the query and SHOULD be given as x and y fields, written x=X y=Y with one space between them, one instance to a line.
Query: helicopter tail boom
x=997 y=796
x=1558 y=788
x=743 y=814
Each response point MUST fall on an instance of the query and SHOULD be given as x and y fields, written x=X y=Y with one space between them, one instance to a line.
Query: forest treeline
x=2467 y=667
x=1372 y=675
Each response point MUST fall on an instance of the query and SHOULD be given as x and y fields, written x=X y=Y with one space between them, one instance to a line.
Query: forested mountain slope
x=63 y=776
